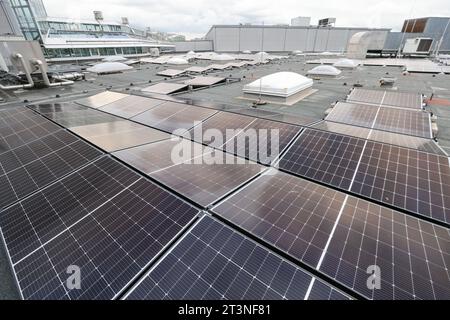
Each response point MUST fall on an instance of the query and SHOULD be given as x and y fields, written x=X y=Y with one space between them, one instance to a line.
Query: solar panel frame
x=170 y=72
x=101 y=99
x=213 y=261
x=204 y=81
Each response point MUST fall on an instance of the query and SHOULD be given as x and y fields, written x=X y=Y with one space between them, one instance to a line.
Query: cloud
x=195 y=17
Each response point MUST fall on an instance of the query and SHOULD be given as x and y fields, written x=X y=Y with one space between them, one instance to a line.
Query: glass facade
x=25 y=17
x=90 y=52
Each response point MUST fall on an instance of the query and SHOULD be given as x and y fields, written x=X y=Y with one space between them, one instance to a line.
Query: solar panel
x=172 y=116
x=353 y=114
x=26 y=169
x=72 y=115
x=416 y=181
x=386 y=98
x=403 y=99
x=214 y=262
x=219 y=124
x=159 y=155
x=204 y=81
x=326 y=157
x=44 y=215
x=205 y=183
x=111 y=245
x=101 y=99
x=262 y=141
x=118 y=135
x=412 y=254
x=346 y=129
x=19 y=126
x=414 y=123
x=374 y=97
x=411 y=142
x=170 y=72
x=219 y=66
x=290 y=213
x=131 y=106
x=165 y=88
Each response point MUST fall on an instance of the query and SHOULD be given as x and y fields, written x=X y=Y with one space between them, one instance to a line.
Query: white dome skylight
x=223 y=57
x=177 y=60
x=324 y=71
x=345 y=63
x=280 y=84
x=109 y=67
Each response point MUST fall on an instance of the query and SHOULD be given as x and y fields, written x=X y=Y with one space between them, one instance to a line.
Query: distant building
x=69 y=39
x=301 y=22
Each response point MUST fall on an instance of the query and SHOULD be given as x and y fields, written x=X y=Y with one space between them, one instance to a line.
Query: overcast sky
x=194 y=17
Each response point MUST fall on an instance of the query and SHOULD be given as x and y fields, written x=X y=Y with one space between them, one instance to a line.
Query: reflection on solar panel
x=262 y=140
x=118 y=135
x=404 y=121
x=412 y=254
x=292 y=214
x=416 y=181
x=19 y=126
x=131 y=106
x=30 y=167
x=215 y=262
x=204 y=183
x=165 y=88
x=353 y=114
x=172 y=116
x=219 y=124
x=111 y=245
x=156 y=156
x=416 y=143
x=72 y=115
x=101 y=99
x=346 y=129
x=325 y=157
x=386 y=98
x=170 y=72
x=204 y=81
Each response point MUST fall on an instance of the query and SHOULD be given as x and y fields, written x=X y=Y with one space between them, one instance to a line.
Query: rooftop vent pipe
x=30 y=83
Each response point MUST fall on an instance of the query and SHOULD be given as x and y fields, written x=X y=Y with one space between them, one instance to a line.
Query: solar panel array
x=342 y=236
x=403 y=121
x=27 y=168
x=407 y=179
x=132 y=235
x=117 y=231
x=386 y=98
x=215 y=262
